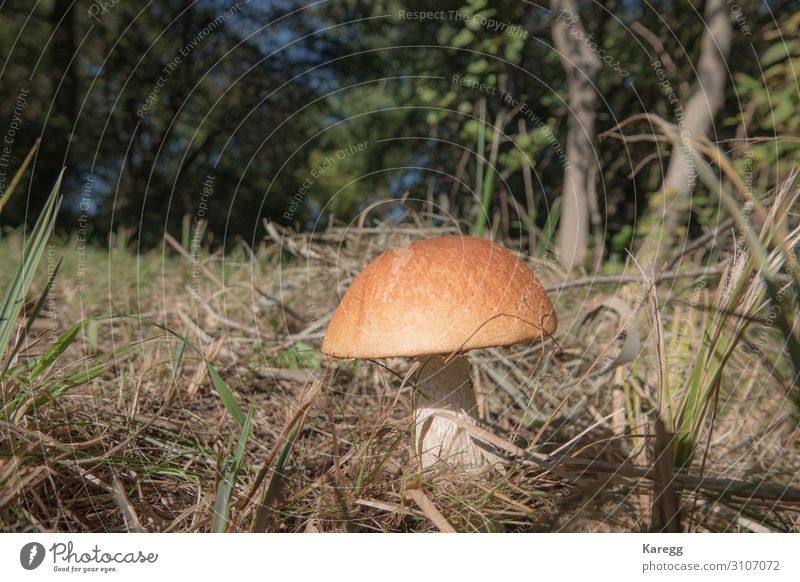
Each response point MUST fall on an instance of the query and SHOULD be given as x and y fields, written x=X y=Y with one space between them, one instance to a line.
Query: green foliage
x=299 y=356
x=264 y=119
x=772 y=91
x=621 y=240
x=141 y=137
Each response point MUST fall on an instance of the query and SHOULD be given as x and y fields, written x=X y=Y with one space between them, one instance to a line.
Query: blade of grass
x=32 y=317
x=488 y=180
x=549 y=229
x=18 y=175
x=76 y=374
x=271 y=491
x=45 y=390
x=480 y=217
x=231 y=468
x=179 y=356
x=15 y=293
x=55 y=351
x=224 y=393
x=91 y=333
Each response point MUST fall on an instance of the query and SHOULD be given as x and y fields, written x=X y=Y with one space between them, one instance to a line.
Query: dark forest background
x=267 y=91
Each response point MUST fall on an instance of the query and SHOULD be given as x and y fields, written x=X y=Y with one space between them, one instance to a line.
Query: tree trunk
x=579 y=195
x=698 y=117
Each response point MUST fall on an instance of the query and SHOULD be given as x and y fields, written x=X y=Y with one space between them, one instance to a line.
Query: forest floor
x=194 y=397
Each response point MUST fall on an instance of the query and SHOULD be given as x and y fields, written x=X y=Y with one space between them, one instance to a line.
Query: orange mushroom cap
x=438 y=296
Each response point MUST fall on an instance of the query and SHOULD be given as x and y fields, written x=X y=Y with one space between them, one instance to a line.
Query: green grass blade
x=231 y=468
x=14 y=295
x=73 y=375
x=480 y=217
x=275 y=481
x=91 y=333
x=222 y=390
x=179 y=356
x=55 y=351
x=224 y=393
x=60 y=388
x=488 y=179
x=18 y=175
x=287 y=449
x=547 y=234
x=32 y=317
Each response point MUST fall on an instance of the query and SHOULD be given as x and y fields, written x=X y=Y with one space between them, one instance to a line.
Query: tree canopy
x=301 y=112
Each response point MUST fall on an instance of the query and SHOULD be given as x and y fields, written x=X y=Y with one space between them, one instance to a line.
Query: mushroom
x=434 y=300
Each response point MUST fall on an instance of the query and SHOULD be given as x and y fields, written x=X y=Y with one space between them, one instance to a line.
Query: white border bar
x=405 y=557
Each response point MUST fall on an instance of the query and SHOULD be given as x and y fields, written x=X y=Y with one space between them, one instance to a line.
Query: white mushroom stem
x=446 y=388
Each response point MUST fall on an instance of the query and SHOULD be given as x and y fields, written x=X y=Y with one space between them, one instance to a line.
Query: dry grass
x=145 y=445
